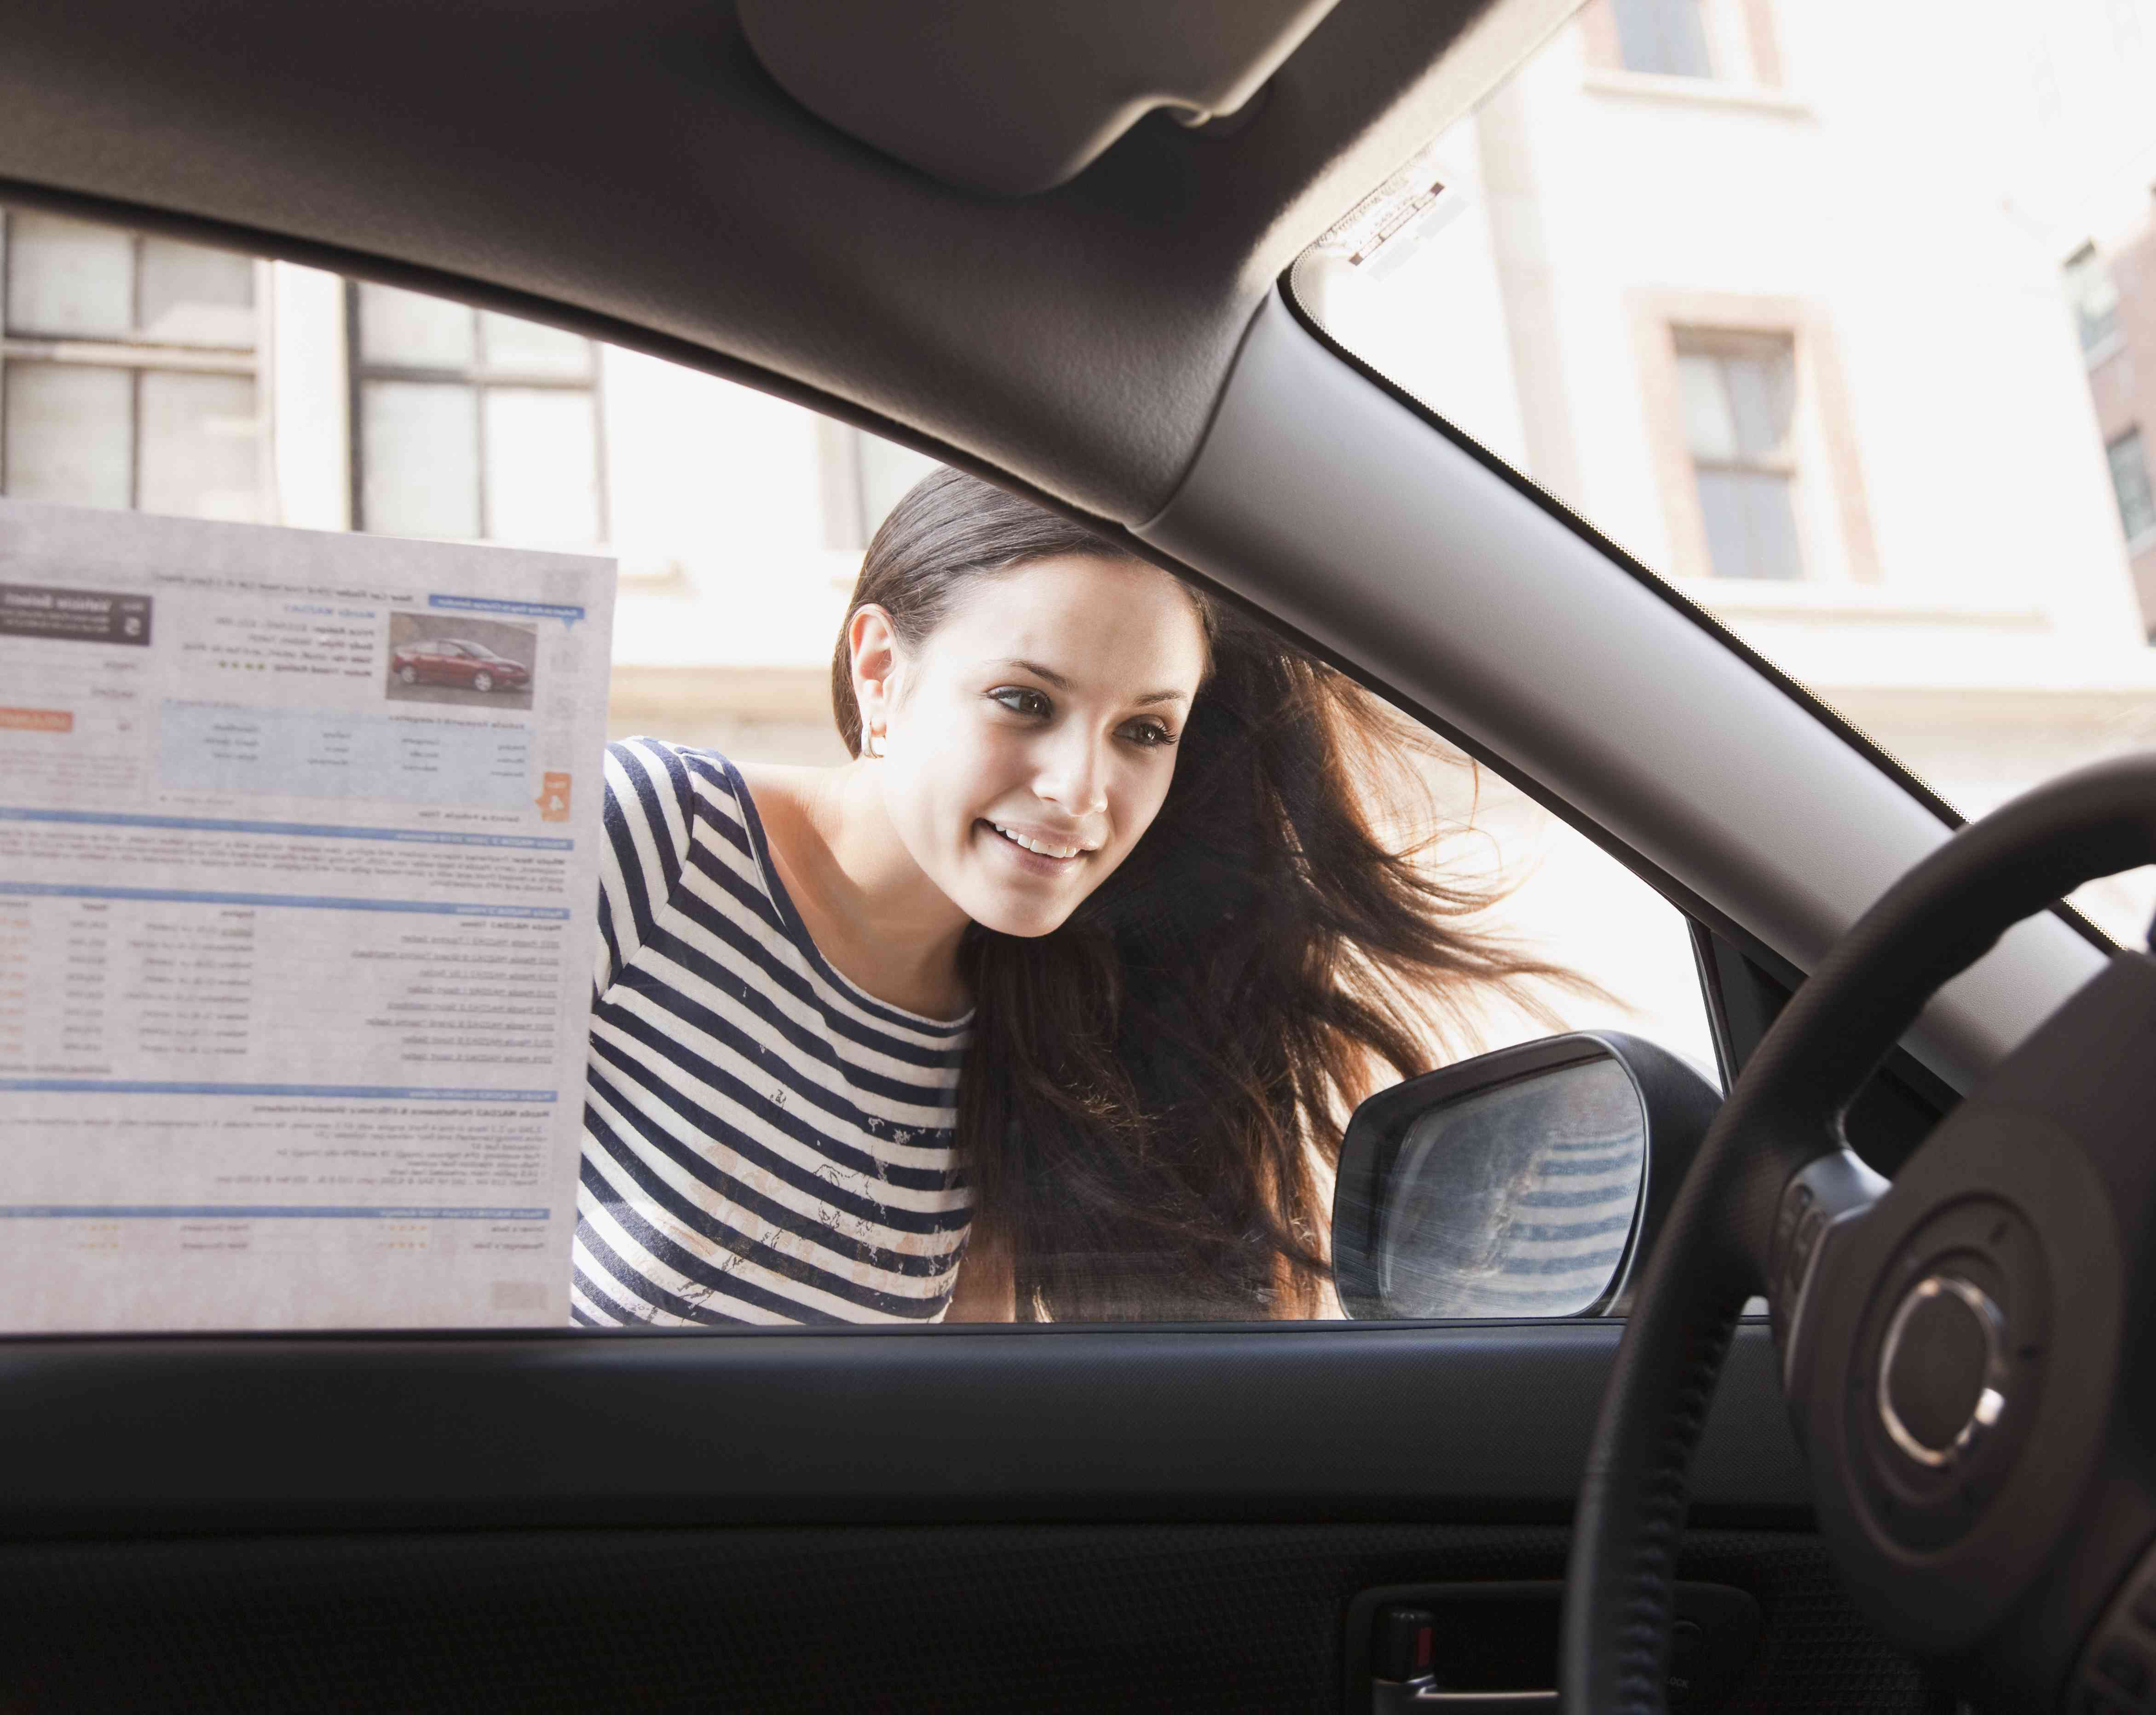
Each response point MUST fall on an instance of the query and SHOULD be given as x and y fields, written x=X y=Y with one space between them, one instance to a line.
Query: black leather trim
x=1315 y=1421
x=1002 y=1620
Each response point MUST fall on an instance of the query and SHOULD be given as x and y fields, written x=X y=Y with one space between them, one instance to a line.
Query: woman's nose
x=1074 y=778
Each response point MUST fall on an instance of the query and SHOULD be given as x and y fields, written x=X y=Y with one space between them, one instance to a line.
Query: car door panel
x=947 y=1519
x=1375 y=1422
x=1005 y=1617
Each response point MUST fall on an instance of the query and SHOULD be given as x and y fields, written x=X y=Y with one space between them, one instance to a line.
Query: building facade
x=2088 y=182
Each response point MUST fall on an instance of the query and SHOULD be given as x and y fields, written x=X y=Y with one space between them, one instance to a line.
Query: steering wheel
x=1966 y=1353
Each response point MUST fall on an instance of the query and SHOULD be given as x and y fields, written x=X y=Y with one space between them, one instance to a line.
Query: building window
x=128 y=372
x=1739 y=392
x=2129 y=481
x=863 y=476
x=468 y=424
x=2095 y=298
x=1665 y=36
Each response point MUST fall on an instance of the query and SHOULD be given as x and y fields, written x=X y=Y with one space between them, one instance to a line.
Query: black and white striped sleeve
x=644 y=834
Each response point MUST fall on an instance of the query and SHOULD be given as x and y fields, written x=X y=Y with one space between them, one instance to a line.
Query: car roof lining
x=597 y=163
x=1010 y=100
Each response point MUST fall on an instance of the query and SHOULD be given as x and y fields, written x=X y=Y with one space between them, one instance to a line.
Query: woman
x=1050 y=1004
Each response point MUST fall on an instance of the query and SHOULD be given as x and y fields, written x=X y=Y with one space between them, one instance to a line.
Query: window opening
x=861 y=476
x=1739 y=397
x=1668 y=37
x=2094 y=296
x=470 y=424
x=128 y=372
x=426 y=762
x=2129 y=482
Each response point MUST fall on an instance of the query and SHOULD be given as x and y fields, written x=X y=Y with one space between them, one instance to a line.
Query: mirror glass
x=1515 y=1201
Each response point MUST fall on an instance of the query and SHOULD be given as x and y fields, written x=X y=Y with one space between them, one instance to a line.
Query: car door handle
x=1392 y=1699
x=1465 y=1648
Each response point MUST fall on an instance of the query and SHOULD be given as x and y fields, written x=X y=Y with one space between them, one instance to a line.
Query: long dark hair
x=1154 y=1095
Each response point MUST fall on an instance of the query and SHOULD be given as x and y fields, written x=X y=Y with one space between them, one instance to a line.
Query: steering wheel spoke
x=1819 y=1207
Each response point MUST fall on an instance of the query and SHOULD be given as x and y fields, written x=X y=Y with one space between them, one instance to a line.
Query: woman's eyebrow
x=1060 y=683
x=1049 y=674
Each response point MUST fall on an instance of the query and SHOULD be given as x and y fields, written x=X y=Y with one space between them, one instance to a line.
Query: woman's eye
x=1022 y=701
x=1150 y=734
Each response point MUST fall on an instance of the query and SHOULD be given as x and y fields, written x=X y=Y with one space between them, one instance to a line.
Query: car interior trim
x=1012 y=100
x=142 y=1436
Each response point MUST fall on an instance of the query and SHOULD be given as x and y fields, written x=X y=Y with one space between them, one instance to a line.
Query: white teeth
x=1044 y=850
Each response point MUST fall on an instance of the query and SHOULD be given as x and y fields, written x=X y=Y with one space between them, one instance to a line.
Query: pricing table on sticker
x=298 y=880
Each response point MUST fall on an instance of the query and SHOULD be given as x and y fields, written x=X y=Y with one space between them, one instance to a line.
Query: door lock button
x=1404 y=1647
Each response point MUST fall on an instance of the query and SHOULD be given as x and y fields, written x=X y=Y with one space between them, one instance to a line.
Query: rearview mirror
x=1525 y=1183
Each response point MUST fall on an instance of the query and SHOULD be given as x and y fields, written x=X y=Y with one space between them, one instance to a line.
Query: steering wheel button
x=1941 y=1370
x=1792 y=1211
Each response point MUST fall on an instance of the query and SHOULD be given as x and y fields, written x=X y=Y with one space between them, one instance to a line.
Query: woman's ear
x=872 y=643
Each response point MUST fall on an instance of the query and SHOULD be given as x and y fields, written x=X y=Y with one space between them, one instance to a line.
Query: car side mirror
x=1524 y=1183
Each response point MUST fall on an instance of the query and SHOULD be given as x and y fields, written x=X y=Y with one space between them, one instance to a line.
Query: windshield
x=1842 y=322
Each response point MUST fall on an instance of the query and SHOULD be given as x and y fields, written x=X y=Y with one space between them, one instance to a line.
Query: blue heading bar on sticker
x=251 y=1211
x=168 y=895
x=309 y=830
x=526 y=610
x=341 y=1092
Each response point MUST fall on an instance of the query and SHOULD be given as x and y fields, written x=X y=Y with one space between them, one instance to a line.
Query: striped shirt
x=763 y=1142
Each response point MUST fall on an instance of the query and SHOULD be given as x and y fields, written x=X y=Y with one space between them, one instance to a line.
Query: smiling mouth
x=1038 y=848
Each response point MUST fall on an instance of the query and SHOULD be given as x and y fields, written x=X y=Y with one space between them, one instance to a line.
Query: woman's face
x=1029 y=741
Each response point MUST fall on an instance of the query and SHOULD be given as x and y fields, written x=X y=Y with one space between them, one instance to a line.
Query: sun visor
x=1010 y=99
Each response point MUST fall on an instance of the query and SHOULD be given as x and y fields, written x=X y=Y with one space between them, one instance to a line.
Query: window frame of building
x=1743 y=48
x=2101 y=335
x=140 y=357
x=1723 y=347
x=1674 y=19
x=1823 y=425
x=480 y=376
x=2124 y=451
x=849 y=490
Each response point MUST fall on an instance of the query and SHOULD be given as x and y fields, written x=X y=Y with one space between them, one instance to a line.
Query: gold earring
x=873 y=747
